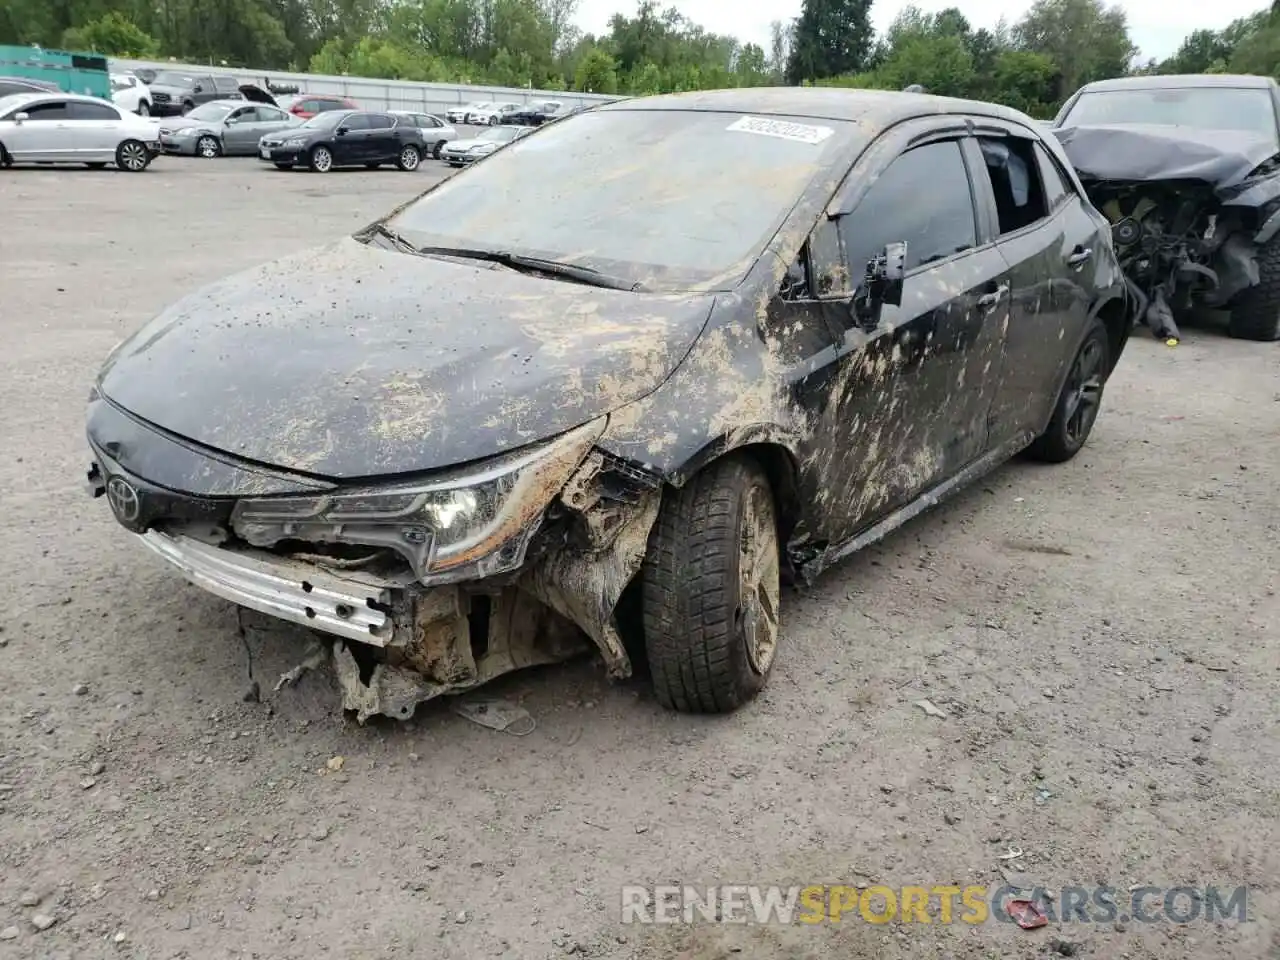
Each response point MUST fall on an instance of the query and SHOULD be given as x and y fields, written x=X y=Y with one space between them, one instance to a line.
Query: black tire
x=710 y=638
x=208 y=147
x=409 y=159
x=1078 y=403
x=284 y=166
x=187 y=107
x=144 y=108
x=1255 y=314
x=133 y=156
x=5 y=159
x=438 y=149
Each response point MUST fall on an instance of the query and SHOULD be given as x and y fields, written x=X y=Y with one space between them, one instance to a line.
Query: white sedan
x=131 y=94
x=460 y=114
x=69 y=128
x=492 y=115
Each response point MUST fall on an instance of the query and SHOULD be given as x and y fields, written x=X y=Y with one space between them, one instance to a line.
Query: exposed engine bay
x=1190 y=211
x=1177 y=247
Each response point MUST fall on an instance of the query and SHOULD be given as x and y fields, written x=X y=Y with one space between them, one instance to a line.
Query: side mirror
x=342 y=131
x=198 y=88
x=882 y=284
x=21 y=117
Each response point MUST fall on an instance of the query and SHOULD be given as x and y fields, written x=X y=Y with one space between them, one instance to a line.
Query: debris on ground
x=1026 y=914
x=316 y=656
x=29 y=898
x=9 y=933
x=1013 y=853
x=496 y=714
x=930 y=709
x=335 y=763
x=43 y=921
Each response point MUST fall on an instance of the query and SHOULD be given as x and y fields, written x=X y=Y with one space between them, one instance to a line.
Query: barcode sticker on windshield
x=784 y=130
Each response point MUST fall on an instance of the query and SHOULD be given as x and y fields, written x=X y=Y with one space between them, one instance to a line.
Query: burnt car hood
x=1137 y=153
x=353 y=361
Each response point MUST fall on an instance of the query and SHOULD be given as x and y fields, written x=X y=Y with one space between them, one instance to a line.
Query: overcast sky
x=1157 y=26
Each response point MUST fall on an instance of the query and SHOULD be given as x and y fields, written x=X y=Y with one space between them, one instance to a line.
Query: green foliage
x=112 y=34
x=1031 y=65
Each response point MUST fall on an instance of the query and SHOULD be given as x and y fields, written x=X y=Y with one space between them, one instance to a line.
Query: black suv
x=353 y=138
x=176 y=93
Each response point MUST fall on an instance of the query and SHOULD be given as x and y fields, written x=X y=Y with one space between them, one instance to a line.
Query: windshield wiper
x=382 y=230
x=518 y=261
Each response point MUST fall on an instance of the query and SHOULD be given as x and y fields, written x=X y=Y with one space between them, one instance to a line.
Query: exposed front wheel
x=132 y=156
x=1255 y=314
x=1079 y=402
x=208 y=147
x=438 y=149
x=409 y=159
x=321 y=160
x=711 y=586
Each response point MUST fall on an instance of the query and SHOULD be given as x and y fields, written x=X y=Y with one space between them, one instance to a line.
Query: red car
x=307 y=105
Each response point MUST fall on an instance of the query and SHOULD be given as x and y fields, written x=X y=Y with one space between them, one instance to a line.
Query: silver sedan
x=223 y=128
x=69 y=128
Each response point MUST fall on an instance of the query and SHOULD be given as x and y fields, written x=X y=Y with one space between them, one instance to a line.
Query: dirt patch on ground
x=1101 y=637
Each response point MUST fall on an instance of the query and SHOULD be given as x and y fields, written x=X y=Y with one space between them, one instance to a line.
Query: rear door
x=1047 y=240
x=93 y=130
x=384 y=138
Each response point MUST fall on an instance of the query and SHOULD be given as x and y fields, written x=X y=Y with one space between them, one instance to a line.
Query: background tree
x=831 y=37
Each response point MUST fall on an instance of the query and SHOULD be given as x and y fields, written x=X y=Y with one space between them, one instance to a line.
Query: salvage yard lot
x=1101 y=637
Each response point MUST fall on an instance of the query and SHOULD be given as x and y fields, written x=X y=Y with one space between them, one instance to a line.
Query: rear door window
x=380 y=121
x=1015 y=178
x=357 y=121
x=81 y=110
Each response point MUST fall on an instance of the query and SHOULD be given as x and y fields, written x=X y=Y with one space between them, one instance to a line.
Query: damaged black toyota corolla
x=613 y=385
x=1187 y=169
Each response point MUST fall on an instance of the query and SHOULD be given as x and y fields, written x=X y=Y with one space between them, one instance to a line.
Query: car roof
x=1180 y=81
x=16 y=98
x=880 y=109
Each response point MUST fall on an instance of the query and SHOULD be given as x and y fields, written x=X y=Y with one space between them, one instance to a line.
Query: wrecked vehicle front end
x=423 y=588
x=1193 y=213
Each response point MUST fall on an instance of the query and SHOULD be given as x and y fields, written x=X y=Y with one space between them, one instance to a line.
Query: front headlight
x=462 y=526
x=184 y=132
x=295 y=141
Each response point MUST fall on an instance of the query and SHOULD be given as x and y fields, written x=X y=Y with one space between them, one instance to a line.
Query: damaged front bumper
x=401 y=638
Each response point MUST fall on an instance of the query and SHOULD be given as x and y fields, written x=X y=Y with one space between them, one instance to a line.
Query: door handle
x=989 y=300
x=1079 y=257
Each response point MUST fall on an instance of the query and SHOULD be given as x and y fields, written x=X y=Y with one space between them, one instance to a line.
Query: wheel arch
x=771 y=450
x=1116 y=316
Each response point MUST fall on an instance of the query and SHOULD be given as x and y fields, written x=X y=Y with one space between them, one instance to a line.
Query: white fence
x=377 y=94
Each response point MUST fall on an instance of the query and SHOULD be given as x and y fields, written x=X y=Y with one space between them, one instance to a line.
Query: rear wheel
x=1079 y=402
x=5 y=159
x=437 y=149
x=208 y=147
x=409 y=158
x=132 y=156
x=1255 y=314
x=144 y=109
x=321 y=160
x=711 y=589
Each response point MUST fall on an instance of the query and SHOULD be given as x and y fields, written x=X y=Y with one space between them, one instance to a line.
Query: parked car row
x=490 y=114
x=353 y=138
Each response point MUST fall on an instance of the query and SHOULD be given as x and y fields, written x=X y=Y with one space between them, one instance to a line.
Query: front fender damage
x=451 y=639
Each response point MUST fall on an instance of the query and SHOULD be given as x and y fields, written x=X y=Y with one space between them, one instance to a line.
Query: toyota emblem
x=123 y=499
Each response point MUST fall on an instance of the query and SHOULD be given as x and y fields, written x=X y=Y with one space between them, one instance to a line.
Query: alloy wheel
x=409 y=158
x=1084 y=394
x=321 y=160
x=207 y=147
x=759 y=579
x=133 y=156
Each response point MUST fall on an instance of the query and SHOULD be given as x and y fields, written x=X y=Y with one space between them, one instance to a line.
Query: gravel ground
x=1101 y=637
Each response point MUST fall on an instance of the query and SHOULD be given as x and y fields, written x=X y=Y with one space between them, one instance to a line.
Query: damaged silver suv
x=612 y=387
